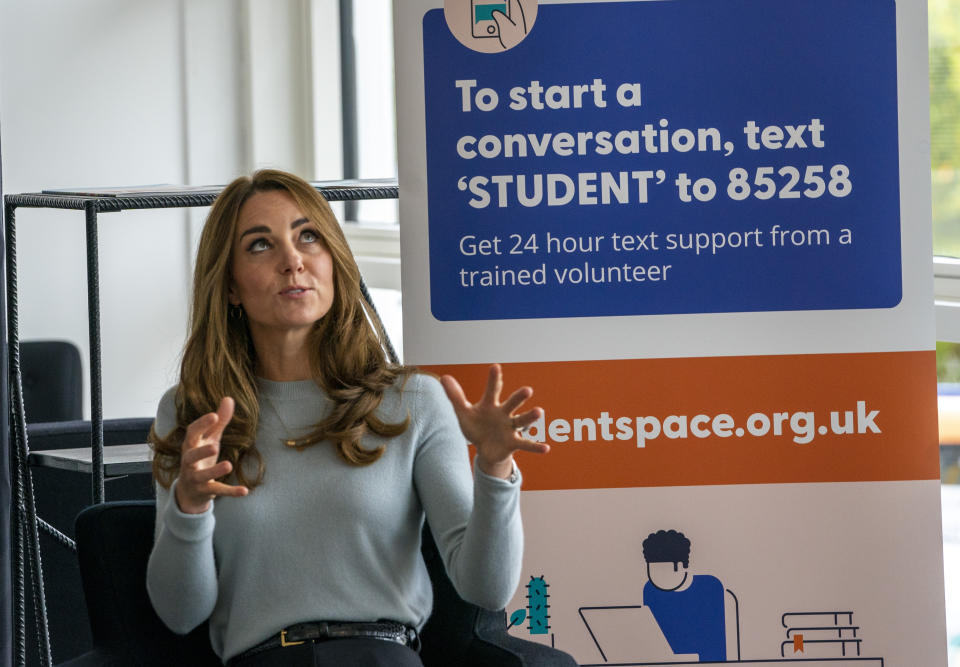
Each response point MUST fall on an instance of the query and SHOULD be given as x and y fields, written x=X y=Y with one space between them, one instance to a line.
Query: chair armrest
x=463 y=634
x=491 y=628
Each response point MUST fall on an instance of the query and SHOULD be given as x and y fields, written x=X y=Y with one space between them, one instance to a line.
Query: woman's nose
x=292 y=261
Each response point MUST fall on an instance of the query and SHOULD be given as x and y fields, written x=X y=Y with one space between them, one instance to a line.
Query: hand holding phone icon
x=490 y=26
x=482 y=22
x=503 y=19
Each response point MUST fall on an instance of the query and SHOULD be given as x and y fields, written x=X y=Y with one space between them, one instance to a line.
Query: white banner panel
x=700 y=230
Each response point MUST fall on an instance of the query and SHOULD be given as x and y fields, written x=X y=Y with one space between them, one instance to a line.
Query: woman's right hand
x=197 y=482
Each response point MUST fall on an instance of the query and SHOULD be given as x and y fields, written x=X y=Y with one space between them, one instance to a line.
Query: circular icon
x=490 y=26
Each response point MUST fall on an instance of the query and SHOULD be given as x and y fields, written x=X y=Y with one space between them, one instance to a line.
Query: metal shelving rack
x=26 y=523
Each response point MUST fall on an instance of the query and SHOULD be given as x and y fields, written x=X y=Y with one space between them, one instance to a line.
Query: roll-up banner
x=700 y=229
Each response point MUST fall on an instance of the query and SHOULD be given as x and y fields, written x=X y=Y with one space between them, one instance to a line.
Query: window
x=370 y=146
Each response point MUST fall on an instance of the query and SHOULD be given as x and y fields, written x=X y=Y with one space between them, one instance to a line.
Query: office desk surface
x=117 y=459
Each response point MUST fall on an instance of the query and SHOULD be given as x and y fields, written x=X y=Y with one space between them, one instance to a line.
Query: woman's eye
x=308 y=236
x=258 y=245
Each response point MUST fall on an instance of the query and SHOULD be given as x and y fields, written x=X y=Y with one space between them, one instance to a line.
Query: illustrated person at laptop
x=688 y=608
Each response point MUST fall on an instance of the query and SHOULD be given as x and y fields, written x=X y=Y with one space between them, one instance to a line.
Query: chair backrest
x=52 y=381
x=114 y=542
x=732 y=616
x=60 y=496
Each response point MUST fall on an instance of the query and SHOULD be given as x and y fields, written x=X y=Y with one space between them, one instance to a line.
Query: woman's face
x=282 y=272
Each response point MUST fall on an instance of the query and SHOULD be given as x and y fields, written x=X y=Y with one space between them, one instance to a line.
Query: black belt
x=321 y=631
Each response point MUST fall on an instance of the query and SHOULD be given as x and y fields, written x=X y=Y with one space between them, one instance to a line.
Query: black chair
x=52 y=381
x=463 y=634
x=114 y=541
x=60 y=496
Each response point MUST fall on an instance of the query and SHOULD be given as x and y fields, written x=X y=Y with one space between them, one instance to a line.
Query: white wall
x=134 y=92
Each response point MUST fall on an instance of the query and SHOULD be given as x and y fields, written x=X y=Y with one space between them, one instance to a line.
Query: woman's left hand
x=492 y=426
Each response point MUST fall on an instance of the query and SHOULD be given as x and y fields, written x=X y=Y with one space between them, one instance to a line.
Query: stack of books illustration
x=820 y=634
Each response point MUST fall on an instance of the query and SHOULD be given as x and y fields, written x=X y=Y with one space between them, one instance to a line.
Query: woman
x=295 y=464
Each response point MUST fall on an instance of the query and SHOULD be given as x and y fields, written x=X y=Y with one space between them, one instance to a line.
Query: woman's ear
x=232 y=295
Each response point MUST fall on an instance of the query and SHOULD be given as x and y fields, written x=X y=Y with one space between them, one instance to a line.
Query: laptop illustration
x=630 y=634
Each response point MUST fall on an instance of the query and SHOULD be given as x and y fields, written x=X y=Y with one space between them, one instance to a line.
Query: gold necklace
x=288 y=441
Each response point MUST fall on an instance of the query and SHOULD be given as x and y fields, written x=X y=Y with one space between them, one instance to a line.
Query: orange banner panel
x=726 y=420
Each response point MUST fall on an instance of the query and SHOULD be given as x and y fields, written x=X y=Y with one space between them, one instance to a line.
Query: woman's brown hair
x=347 y=358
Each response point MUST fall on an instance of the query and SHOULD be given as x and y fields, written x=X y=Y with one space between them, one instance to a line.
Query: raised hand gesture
x=197 y=482
x=492 y=426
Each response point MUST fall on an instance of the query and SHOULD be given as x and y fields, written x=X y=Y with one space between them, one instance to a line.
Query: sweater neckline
x=288 y=390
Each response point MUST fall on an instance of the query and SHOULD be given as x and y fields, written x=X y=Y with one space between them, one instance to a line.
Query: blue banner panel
x=666 y=157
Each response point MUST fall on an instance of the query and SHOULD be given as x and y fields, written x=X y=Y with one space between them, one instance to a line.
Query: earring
x=236 y=311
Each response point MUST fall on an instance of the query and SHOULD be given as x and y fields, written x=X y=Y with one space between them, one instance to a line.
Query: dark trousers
x=354 y=652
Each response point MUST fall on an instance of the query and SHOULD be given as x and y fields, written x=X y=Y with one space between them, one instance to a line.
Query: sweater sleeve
x=181 y=572
x=474 y=518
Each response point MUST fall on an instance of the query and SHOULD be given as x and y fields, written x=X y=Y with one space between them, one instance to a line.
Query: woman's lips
x=295 y=292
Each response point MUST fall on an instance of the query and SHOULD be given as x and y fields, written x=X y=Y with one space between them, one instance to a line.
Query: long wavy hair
x=347 y=358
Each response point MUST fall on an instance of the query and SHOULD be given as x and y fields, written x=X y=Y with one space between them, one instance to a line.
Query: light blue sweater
x=323 y=540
